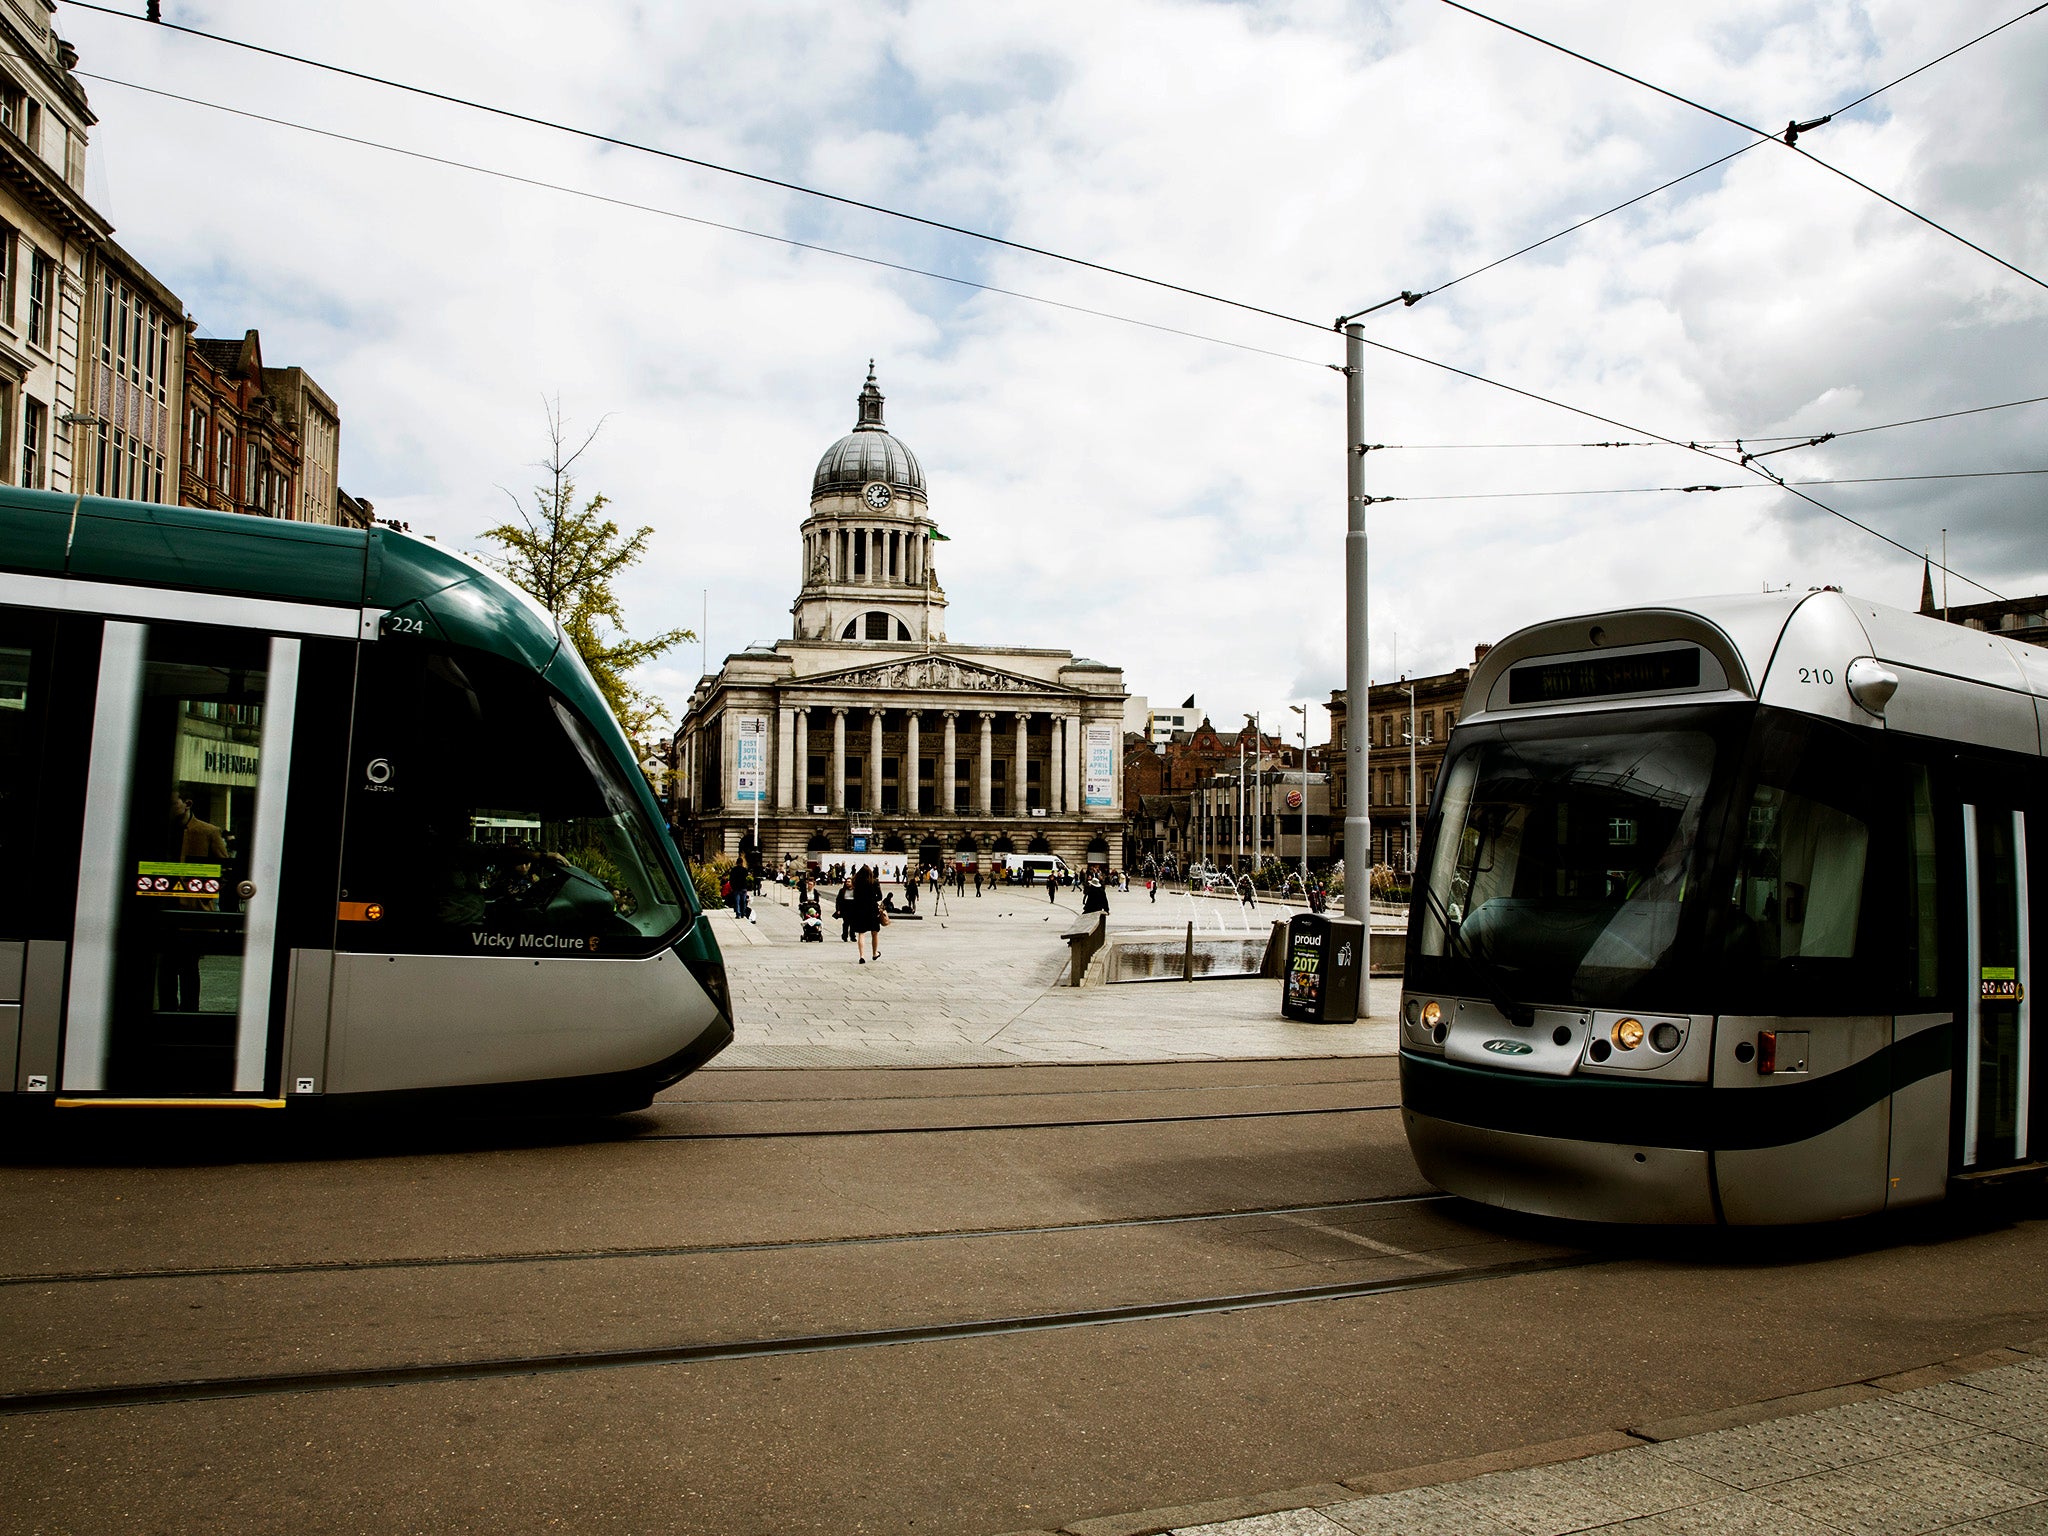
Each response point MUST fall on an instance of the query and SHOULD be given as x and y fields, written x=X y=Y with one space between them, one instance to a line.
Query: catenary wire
x=687 y=218
x=678 y=157
x=1414 y=298
x=1791 y=131
x=992 y=239
x=1728 y=442
x=1754 y=485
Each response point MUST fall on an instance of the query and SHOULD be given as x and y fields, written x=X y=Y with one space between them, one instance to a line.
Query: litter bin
x=1325 y=959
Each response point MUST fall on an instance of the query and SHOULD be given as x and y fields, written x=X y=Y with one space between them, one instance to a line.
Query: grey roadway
x=654 y=1230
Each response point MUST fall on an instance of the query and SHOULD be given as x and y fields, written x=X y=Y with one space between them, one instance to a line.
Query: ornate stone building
x=868 y=732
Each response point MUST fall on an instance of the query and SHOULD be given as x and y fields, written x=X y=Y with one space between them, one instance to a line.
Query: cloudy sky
x=1173 y=504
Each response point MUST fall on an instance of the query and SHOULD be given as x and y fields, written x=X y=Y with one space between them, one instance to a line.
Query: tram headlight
x=1627 y=1033
x=1431 y=1014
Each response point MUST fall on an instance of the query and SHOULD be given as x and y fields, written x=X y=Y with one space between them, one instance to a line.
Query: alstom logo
x=1507 y=1048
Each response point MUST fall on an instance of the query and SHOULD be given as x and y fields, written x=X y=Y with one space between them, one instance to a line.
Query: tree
x=567 y=557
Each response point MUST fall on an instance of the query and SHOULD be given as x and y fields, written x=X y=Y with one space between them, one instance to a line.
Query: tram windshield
x=488 y=818
x=1564 y=865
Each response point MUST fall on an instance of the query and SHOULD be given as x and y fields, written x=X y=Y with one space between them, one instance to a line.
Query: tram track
x=1010 y=1125
x=701 y=1250
x=276 y=1384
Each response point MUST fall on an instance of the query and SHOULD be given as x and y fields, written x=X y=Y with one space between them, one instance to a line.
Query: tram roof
x=143 y=544
x=1758 y=637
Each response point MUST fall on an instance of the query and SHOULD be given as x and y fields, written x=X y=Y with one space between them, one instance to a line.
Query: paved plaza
x=982 y=981
x=1960 y=1448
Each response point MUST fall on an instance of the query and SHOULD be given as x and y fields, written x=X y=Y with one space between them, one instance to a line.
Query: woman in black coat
x=866 y=907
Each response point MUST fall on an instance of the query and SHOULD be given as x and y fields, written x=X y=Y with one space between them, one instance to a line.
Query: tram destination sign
x=1589 y=677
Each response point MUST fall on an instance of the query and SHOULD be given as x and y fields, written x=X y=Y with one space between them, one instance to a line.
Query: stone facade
x=1398 y=782
x=869 y=727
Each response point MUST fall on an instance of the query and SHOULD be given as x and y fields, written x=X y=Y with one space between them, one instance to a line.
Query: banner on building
x=750 y=760
x=1098 y=776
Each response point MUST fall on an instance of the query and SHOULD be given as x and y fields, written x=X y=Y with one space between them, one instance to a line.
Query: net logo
x=1507 y=1048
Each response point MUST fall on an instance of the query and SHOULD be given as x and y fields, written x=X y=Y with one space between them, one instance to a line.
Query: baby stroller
x=813 y=923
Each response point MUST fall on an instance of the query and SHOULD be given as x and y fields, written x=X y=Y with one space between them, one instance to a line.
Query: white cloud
x=1162 y=503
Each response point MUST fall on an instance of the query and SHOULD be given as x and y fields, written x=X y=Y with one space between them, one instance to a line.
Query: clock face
x=876 y=495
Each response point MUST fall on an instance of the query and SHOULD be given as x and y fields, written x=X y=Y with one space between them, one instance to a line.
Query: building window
x=1429 y=725
x=8 y=240
x=42 y=274
x=195 y=441
x=224 y=460
x=35 y=421
x=1450 y=719
x=13 y=108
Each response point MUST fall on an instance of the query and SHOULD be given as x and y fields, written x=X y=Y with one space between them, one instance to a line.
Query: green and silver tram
x=1726 y=913
x=294 y=815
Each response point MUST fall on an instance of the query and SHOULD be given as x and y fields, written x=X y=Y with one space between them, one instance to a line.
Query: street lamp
x=1302 y=710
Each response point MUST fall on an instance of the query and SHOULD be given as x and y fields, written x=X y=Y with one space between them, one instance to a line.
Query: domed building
x=868 y=737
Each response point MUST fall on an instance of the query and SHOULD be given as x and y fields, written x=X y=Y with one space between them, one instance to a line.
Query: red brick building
x=241 y=452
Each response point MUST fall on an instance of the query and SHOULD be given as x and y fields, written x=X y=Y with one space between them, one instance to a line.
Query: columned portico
x=868 y=639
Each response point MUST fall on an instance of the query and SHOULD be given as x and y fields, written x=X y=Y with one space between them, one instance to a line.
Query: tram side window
x=17 y=773
x=1832 y=901
x=486 y=817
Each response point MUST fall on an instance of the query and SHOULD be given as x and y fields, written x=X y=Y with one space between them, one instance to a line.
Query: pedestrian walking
x=1052 y=886
x=977 y=880
x=1244 y=891
x=1152 y=890
x=842 y=908
x=1094 y=893
x=867 y=917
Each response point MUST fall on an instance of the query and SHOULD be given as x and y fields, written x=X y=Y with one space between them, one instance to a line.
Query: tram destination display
x=1588 y=677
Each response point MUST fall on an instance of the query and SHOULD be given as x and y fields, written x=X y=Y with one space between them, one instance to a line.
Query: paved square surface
x=982 y=980
x=1899 y=1465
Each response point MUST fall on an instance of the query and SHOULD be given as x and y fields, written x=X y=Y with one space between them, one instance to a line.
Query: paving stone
x=1732 y=1514
x=1292 y=1522
x=1968 y=1403
x=1538 y=1501
x=2014 y=1461
x=1778 y=1450
x=1413 y=1512
x=2030 y=1520
x=1641 y=1482
x=1899 y=1496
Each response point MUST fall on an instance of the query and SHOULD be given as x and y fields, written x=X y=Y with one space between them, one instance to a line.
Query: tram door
x=1999 y=1048
x=174 y=950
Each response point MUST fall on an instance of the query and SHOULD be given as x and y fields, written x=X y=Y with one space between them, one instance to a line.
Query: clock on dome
x=876 y=495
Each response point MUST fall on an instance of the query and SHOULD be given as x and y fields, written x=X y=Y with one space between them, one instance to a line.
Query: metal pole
x=1304 y=802
x=1237 y=844
x=1357 y=652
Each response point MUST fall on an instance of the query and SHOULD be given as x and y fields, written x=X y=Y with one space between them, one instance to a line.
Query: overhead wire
x=1792 y=130
x=1748 y=485
x=1412 y=298
x=688 y=218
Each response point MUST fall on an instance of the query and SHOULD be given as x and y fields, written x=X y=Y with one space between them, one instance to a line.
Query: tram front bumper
x=1562 y=1176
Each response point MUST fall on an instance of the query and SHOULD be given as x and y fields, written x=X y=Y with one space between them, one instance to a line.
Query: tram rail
x=255 y=1384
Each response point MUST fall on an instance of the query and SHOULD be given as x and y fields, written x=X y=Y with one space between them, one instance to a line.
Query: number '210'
x=1816 y=675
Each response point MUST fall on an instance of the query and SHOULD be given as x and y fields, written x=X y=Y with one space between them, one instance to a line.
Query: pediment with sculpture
x=932 y=674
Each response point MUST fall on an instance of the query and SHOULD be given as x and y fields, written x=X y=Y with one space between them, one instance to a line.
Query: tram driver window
x=487 y=818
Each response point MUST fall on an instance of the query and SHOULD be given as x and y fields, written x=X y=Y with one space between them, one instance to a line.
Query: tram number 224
x=403 y=624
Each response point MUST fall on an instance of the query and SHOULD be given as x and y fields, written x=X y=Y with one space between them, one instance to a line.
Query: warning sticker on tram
x=2000 y=984
x=153 y=878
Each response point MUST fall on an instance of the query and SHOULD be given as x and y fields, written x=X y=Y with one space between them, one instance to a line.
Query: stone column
x=988 y=757
x=1020 y=769
x=874 y=794
x=1055 y=752
x=906 y=776
x=947 y=801
x=786 y=787
x=1077 y=746
x=836 y=790
x=803 y=760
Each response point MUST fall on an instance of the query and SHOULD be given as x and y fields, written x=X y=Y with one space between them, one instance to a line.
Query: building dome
x=868 y=453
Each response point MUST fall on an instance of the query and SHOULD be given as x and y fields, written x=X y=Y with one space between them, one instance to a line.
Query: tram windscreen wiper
x=1490 y=977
